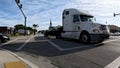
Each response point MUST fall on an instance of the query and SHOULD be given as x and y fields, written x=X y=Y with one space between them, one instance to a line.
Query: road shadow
x=44 y=48
x=69 y=40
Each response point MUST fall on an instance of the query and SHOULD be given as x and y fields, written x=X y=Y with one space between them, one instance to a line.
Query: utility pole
x=20 y=7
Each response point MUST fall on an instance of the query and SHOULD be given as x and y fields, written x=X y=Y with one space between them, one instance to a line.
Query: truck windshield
x=86 y=18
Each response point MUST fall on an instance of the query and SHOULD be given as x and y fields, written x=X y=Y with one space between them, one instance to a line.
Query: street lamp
x=20 y=7
x=115 y=14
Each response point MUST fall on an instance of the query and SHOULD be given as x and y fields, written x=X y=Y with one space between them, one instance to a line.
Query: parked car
x=4 y=38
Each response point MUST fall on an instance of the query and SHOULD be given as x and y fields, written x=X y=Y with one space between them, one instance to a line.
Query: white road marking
x=55 y=45
x=25 y=61
x=8 y=42
x=24 y=44
x=111 y=40
x=82 y=46
x=62 y=49
x=114 y=64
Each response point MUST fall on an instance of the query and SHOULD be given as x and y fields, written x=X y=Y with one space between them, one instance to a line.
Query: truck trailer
x=81 y=25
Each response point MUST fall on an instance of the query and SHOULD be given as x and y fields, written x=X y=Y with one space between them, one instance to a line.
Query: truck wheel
x=58 y=36
x=85 y=38
x=0 y=40
x=45 y=35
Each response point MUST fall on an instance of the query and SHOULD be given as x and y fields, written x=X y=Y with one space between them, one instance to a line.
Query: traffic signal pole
x=116 y=14
x=20 y=7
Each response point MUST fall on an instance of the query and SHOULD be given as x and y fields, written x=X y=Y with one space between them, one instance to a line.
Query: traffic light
x=17 y=1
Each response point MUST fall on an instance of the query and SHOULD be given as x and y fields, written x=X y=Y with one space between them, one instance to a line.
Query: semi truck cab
x=82 y=25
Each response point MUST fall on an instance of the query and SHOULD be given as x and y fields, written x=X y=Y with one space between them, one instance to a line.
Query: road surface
x=65 y=53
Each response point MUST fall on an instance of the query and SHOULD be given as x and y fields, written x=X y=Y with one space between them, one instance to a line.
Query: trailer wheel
x=58 y=36
x=85 y=38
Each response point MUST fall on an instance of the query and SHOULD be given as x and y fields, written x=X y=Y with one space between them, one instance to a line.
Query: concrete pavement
x=11 y=58
x=55 y=53
x=8 y=60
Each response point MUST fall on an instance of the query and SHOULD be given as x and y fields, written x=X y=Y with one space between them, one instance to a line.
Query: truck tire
x=58 y=36
x=85 y=38
x=0 y=40
x=45 y=34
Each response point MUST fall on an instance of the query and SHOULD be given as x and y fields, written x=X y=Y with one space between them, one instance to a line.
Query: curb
x=28 y=63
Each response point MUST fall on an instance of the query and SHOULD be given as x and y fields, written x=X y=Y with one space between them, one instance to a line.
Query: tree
x=29 y=28
x=19 y=26
x=34 y=27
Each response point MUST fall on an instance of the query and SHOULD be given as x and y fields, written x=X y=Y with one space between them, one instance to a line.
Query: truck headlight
x=96 y=30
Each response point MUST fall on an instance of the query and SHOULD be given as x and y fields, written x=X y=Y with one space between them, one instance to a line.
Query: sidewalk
x=8 y=60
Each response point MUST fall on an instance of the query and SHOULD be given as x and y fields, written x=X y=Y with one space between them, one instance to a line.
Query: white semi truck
x=80 y=25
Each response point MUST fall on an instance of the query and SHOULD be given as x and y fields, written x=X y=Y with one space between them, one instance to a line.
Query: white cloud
x=103 y=10
x=7 y=22
x=41 y=11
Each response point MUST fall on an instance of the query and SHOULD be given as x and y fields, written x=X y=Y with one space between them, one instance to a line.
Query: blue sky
x=41 y=11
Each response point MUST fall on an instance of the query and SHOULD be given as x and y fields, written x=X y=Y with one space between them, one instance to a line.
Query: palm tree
x=34 y=27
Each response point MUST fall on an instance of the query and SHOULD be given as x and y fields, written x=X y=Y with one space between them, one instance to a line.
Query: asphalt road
x=65 y=53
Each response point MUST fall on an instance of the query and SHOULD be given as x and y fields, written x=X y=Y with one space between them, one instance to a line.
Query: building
x=119 y=29
x=6 y=30
x=50 y=26
x=113 y=28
